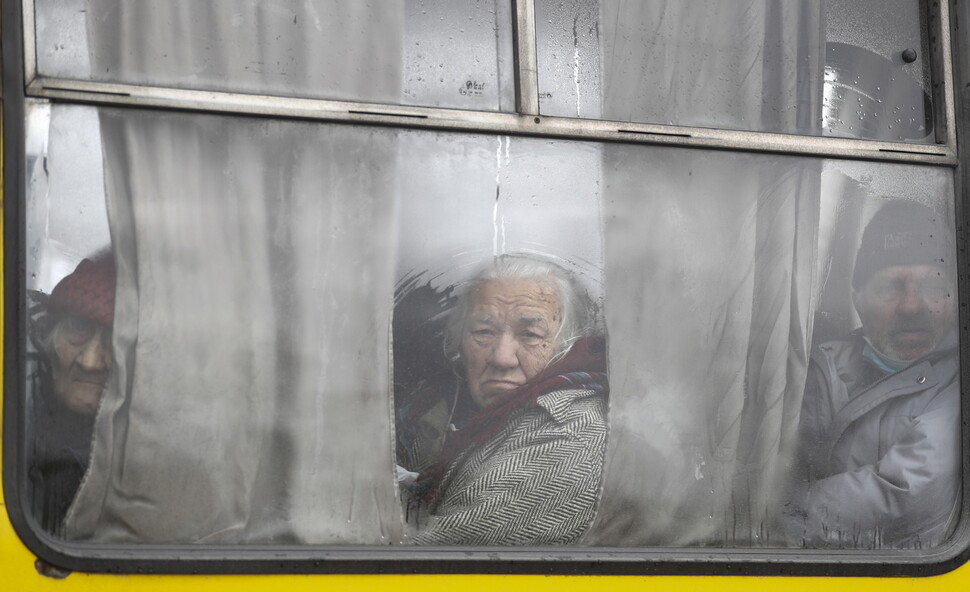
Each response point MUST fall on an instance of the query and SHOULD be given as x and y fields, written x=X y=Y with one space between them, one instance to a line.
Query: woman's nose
x=505 y=353
x=95 y=353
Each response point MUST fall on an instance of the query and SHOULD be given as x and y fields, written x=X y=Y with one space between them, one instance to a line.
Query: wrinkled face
x=81 y=360
x=907 y=309
x=509 y=336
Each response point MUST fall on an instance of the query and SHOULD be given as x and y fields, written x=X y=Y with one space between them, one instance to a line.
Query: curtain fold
x=776 y=368
x=251 y=328
x=250 y=401
x=255 y=265
x=311 y=48
x=710 y=292
x=746 y=64
x=710 y=263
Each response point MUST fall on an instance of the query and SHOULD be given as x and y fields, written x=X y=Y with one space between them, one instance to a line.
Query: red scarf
x=583 y=367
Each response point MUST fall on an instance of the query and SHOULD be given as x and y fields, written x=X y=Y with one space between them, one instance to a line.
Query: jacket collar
x=919 y=376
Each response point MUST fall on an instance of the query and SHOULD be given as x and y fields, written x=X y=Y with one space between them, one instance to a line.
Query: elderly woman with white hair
x=523 y=460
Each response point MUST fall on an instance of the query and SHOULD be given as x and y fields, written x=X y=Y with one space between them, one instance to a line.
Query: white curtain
x=710 y=259
x=322 y=49
x=745 y=64
x=250 y=400
x=709 y=284
x=307 y=48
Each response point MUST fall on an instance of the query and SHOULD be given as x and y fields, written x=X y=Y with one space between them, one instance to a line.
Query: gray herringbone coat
x=536 y=482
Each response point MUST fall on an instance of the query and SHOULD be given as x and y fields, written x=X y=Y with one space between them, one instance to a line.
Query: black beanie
x=901 y=233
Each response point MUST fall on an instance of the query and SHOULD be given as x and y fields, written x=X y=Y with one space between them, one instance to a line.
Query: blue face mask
x=886 y=364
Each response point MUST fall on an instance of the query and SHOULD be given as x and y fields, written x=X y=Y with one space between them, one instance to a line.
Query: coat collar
x=920 y=376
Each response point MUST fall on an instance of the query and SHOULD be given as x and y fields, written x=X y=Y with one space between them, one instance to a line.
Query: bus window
x=763 y=67
x=617 y=294
x=715 y=343
x=376 y=52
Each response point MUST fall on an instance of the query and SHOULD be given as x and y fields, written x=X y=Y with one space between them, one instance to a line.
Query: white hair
x=576 y=307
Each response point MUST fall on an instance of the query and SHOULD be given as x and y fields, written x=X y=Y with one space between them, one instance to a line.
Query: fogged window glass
x=70 y=302
x=841 y=68
x=304 y=333
x=428 y=52
x=499 y=344
x=877 y=463
x=739 y=310
x=294 y=265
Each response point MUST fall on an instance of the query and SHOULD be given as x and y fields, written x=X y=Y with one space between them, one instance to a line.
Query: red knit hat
x=89 y=292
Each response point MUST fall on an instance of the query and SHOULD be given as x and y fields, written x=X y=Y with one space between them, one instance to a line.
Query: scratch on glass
x=576 y=65
x=498 y=222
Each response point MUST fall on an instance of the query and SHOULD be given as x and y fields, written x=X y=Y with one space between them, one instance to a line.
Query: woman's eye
x=75 y=338
x=78 y=336
x=78 y=332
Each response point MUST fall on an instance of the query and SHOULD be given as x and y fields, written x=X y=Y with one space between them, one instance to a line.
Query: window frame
x=527 y=121
x=21 y=84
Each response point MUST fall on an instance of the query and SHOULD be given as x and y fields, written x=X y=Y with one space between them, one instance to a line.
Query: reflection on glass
x=877 y=70
x=866 y=96
x=410 y=52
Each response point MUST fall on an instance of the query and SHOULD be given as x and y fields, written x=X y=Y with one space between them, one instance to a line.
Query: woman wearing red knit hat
x=72 y=365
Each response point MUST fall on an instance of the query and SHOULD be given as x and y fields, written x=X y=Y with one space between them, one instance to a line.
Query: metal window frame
x=19 y=72
x=526 y=122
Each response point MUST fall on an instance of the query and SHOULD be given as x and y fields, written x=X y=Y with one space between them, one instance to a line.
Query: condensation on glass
x=500 y=370
x=285 y=288
x=729 y=291
x=840 y=68
x=877 y=71
x=67 y=352
x=409 y=52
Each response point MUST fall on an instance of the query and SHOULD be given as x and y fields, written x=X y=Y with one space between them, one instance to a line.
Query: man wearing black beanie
x=879 y=439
